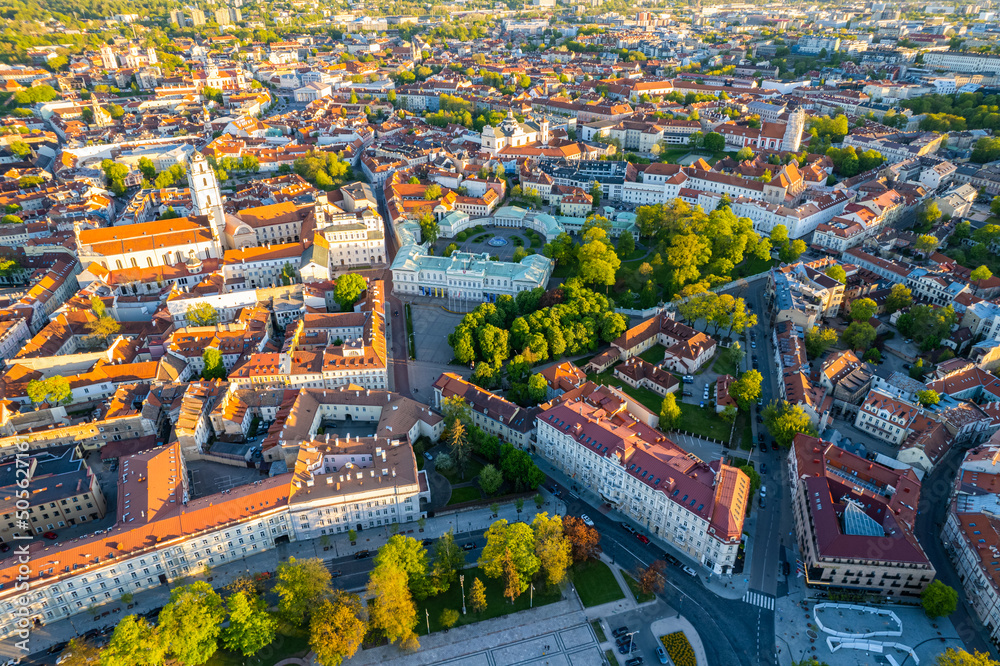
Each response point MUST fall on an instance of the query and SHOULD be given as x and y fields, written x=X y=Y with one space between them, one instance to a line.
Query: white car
x=763 y=491
x=586 y=520
x=689 y=571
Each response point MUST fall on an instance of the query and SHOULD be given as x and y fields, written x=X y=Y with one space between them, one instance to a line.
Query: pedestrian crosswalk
x=759 y=599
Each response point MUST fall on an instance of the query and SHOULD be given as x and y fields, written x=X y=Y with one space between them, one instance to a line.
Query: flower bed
x=679 y=649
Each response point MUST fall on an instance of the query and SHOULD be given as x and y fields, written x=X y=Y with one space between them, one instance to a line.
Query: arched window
x=204 y=182
x=119 y=262
x=149 y=261
x=135 y=264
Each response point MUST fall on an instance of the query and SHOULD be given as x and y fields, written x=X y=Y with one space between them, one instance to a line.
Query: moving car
x=361 y=554
x=335 y=574
x=586 y=520
x=763 y=468
x=763 y=491
x=761 y=502
x=469 y=546
x=774 y=445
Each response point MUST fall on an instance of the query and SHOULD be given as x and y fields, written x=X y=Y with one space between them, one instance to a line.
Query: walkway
x=669 y=625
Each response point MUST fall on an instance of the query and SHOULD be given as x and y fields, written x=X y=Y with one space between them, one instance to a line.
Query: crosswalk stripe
x=758 y=599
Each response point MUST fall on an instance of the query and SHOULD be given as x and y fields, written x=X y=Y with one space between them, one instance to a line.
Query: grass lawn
x=702 y=421
x=288 y=642
x=612 y=659
x=633 y=586
x=598 y=631
x=652 y=401
x=654 y=354
x=563 y=271
x=671 y=156
x=724 y=364
x=464 y=494
x=472 y=470
x=496 y=604
x=752 y=266
x=595 y=583
x=746 y=434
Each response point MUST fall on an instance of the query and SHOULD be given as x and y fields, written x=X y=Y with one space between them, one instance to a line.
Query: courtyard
x=497 y=241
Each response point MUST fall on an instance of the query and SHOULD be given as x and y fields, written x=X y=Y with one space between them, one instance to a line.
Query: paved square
x=431 y=327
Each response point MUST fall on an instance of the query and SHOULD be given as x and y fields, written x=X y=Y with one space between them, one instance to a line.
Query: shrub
x=679 y=649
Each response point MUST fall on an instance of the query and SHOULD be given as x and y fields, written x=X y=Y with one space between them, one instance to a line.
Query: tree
x=670 y=412
x=953 y=657
x=433 y=191
x=20 y=149
x=859 y=335
x=490 y=479
x=214 y=367
x=449 y=617
x=191 y=622
x=928 y=397
x=477 y=596
x=745 y=153
x=552 y=548
x=449 y=559
x=301 y=585
x=135 y=642
x=863 y=309
x=926 y=244
x=838 y=273
x=583 y=539
x=97 y=306
x=513 y=586
x=80 y=653
x=928 y=215
x=779 y=236
x=103 y=327
x=938 y=599
x=391 y=609
x=650 y=579
x=981 y=273
x=784 y=421
x=818 y=340
x=251 y=626
x=792 y=251
x=430 y=230
x=515 y=541
x=598 y=260
x=202 y=314
x=746 y=389
x=626 y=245
x=410 y=556
x=460 y=447
x=899 y=298
x=54 y=390
x=715 y=142
x=349 y=287
x=337 y=628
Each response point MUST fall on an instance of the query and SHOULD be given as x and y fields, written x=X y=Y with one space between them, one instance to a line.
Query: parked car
x=687 y=394
x=661 y=655
x=760 y=437
x=427 y=542
x=763 y=447
x=628 y=528
x=619 y=632
x=689 y=571
x=643 y=539
x=763 y=468
x=787 y=567
x=50 y=535
x=586 y=520
x=688 y=379
x=763 y=491
x=361 y=554
x=774 y=445
x=670 y=559
x=636 y=661
x=427 y=454
x=761 y=502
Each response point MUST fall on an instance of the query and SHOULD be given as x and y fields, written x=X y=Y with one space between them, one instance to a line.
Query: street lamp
x=531 y=596
x=631 y=640
x=461 y=579
x=428 y=614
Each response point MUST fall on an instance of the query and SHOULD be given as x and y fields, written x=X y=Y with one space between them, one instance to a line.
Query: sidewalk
x=335 y=546
x=728 y=586
x=669 y=625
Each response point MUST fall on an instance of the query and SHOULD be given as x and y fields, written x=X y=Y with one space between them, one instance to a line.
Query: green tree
x=980 y=274
x=251 y=626
x=928 y=397
x=953 y=657
x=79 y=653
x=746 y=389
x=745 y=153
x=513 y=583
x=348 y=289
x=552 y=548
x=926 y=244
x=818 y=340
x=928 y=215
x=214 y=367
x=784 y=421
x=792 y=251
x=859 y=335
x=191 y=622
x=301 y=586
x=516 y=541
x=477 y=596
x=863 y=309
x=938 y=599
x=490 y=479
x=135 y=642
x=715 y=142
x=670 y=413
x=392 y=609
x=537 y=388
x=429 y=228
x=899 y=298
x=55 y=390
x=410 y=556
x=103 y=327
x=337 y=628
x=838 y=273
x=449 y=559
x=626 y=245
x=19 y=148
x=202 y=314
x=598 y=260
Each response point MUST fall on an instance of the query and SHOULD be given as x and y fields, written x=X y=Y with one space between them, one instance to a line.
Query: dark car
x=762 y=502
x=763 y=468
x=759 y=419
x=760 y=437
x=50 y=535
x=774 y=445
x=763 y=447
x=58 y=647
x=670 y=559
x=4 y=548
x=625 y=648
x=335 y=574
x=787 y=567
x=637 y=661
x=619 y=632
x=396 y=313
x=361 y=554
x=469 y=546
x=643 y=539
x=427 y=542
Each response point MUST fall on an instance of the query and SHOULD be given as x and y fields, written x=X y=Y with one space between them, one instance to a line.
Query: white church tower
x=793 y=131
x=206 y=197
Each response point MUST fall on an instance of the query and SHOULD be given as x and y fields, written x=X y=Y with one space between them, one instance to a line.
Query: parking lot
x=207 y=478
